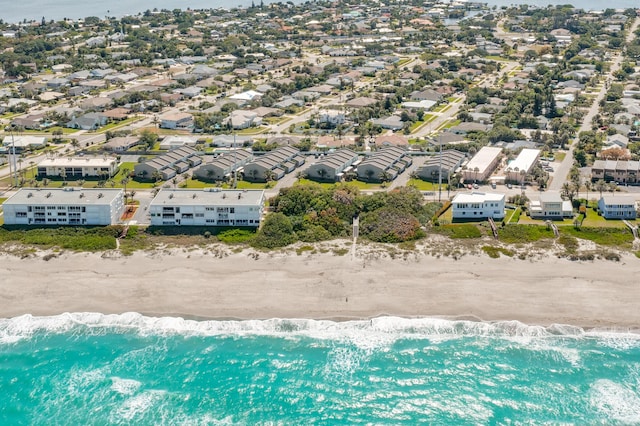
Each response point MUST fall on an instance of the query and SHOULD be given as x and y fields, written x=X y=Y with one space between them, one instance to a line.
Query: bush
x=390 y=225
x=277 y=231
x=235 y=236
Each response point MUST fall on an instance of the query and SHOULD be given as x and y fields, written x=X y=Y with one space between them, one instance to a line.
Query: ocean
x=75 y=9
x=130 y=369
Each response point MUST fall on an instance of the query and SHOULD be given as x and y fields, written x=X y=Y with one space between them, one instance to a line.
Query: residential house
x=121 y=143
x=618 y=207
x=477 y=206
x=89 y=121
x=550 y=205
x=177 y=121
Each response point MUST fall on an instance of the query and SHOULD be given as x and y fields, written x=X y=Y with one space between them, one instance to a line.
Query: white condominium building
x=207 y=207
x=64 y=206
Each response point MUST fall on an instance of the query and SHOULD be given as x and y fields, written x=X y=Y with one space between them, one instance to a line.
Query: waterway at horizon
x=131 y=369
x=73 y=9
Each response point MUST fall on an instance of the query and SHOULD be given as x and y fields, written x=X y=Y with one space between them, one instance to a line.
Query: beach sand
x=199 y=283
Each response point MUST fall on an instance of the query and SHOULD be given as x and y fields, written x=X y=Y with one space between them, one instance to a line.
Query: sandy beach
x=248 y=285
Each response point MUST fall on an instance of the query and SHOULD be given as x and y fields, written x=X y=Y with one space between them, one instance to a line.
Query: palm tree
x=174 y=181
x=322 y=173
x=369 y=173
x=124 y=181
x=601 y=186
x=588 y=186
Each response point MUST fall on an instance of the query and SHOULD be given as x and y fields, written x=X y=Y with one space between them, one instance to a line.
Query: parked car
x=509 y=186
x=475 y=186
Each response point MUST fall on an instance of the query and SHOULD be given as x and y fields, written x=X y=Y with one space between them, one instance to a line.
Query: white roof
x=483 y=158
x=525 y=160
x=24 y=141
x=208 y=197
x=421 y=104
x=246 y=96
x=477 y=197
x=76 y=196
x=77 y=162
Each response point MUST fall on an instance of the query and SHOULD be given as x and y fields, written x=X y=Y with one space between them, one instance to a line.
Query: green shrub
x=235 y=236
x=494 y=252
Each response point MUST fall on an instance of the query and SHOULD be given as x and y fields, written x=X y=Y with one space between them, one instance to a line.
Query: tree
x=124 y=181
x=588 y=186
x=148 y=138
x=601 y=186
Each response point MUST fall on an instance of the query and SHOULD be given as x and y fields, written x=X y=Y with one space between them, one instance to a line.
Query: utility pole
x=440 y=175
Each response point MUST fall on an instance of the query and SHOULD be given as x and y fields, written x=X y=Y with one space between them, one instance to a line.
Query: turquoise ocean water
x=129 y=369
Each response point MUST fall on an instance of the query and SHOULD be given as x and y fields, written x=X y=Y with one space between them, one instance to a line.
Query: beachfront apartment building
x=480 y=167
x=618 y=207
x=76 y=167
x=64 y=206
x=207 y=207
x=477 y=206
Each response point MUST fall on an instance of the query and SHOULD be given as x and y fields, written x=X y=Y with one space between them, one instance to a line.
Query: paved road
x=563 y=170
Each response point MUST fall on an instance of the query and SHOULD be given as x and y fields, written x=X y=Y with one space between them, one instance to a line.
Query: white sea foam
x=136 y=406
x=374 y=333
x=615 y=401
x=125 y=386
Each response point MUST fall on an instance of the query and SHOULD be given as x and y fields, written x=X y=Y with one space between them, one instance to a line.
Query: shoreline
x=202 y=284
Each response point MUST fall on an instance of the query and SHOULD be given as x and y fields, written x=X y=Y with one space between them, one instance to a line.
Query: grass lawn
x=252 y=131
x=415 y=126
x=423 y=185
x=450 y=124
x=559 y=156
x=497 y=58
x=2 y=199
x=118 y=124
x=593 y=220
x=439 y=108
x=513 y=216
